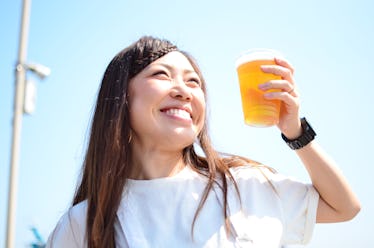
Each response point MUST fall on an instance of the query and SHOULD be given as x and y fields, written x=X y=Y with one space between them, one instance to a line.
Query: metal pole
x=20 y=75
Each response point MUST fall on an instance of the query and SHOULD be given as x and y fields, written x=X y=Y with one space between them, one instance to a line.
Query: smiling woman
x=144 y=185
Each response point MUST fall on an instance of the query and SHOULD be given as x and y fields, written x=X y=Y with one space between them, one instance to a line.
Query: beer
x=257 y=110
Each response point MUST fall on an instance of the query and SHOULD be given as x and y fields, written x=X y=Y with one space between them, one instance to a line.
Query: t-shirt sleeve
x=299 y=203
x=70 y=230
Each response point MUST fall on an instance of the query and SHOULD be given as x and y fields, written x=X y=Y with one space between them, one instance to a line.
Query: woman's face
x=167 y=104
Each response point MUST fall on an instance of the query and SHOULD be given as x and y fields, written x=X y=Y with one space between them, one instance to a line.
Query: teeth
x=178 y=112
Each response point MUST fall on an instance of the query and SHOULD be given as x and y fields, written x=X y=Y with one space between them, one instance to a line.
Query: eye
x=160 y=74
x=194 y=81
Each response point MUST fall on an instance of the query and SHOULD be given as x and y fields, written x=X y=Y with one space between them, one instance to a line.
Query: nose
x=181 y=91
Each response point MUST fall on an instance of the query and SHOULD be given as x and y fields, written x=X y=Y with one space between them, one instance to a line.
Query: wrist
x=304 y=137
x=295 y=132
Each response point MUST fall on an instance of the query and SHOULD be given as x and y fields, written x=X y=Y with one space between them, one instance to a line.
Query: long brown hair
x=107 y=162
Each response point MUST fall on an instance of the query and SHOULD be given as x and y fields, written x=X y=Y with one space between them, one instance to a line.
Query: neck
x=151 y=164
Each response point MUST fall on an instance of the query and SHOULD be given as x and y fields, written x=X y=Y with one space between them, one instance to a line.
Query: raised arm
x=337 y=200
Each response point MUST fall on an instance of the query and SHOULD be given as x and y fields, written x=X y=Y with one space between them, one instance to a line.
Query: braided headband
x=141 y=63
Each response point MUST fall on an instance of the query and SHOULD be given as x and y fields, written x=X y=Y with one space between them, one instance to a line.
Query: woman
x=144 y=185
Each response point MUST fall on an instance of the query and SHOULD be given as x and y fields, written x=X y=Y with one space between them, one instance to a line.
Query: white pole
x=17 y=124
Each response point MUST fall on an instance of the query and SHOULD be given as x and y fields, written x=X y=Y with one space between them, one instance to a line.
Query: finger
x=284 y=63
x=288 y=99
x=292 y=92
x=283 y=85
x=278 y=70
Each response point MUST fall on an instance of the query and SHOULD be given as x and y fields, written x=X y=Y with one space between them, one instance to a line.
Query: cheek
x=200 y=97
x=201 y=105
x=144 y=99
x=143 y=95
x=140 y=109
x=137 y=107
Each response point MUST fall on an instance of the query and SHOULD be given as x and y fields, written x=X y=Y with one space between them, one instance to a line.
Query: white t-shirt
x=159 y=213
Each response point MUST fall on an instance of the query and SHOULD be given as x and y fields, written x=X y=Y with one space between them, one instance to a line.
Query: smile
x=181 y=113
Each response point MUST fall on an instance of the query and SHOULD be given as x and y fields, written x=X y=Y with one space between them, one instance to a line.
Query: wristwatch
x=305 y=138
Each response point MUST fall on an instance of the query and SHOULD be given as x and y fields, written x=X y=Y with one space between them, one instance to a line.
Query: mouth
x=177 y=112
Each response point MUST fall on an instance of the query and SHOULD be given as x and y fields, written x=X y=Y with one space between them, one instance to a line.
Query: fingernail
x=268 y=95
x=263 y=86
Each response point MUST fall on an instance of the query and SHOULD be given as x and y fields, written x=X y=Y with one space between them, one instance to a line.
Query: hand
x=289 y=119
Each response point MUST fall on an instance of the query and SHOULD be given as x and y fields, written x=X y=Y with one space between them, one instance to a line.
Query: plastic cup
x=258 y=111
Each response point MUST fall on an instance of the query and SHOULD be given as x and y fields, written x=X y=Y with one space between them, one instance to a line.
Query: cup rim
x=257 y=54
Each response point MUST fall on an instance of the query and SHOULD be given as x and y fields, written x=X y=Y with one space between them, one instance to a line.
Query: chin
x=186 y=138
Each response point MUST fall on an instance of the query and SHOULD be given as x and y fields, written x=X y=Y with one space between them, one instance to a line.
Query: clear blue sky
x=330 y=43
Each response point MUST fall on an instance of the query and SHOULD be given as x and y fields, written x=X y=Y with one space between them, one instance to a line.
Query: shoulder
x=71 y=228
x=257 y=172
x=260 y=174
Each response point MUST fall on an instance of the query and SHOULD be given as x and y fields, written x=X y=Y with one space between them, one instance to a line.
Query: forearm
x=334 y=190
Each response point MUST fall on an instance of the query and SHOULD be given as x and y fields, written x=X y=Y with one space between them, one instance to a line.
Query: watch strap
x=305 y=138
